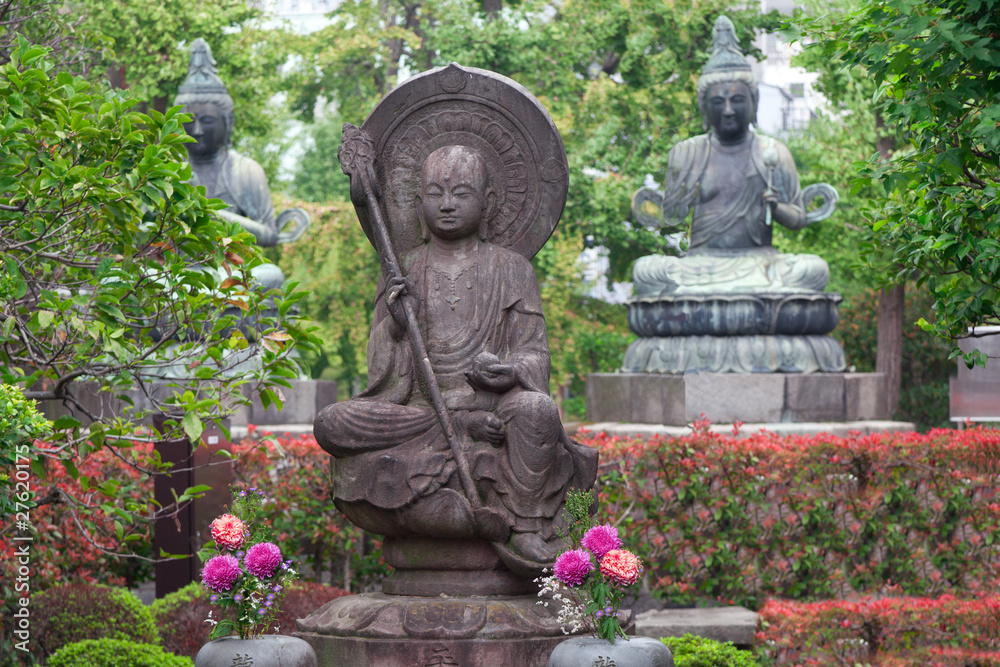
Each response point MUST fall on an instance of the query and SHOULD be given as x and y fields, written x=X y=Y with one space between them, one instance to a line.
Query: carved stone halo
x=471 y=107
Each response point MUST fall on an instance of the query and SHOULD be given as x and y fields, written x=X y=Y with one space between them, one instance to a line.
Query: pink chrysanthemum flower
x=621 y=566
x=228 y=532
x=220 y=573
x=262 y=559
x=573 y=566
x=601 y=539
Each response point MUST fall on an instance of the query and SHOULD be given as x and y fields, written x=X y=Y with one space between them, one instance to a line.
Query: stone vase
x=596 y=652
x=265 y=651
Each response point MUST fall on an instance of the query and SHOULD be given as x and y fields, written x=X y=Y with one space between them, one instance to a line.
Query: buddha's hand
x=771 y=198
x=484 y=426
x=489 y=374
x=400 y=291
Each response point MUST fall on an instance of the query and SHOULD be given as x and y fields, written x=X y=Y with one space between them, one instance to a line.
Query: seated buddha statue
x=733 y=184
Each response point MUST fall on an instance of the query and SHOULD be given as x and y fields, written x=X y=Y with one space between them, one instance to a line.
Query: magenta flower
x=601 y=539
x=262 y=559
x=220 y=573
x=573 y=566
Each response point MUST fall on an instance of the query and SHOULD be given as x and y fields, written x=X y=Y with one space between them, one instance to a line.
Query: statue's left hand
x=490 y=375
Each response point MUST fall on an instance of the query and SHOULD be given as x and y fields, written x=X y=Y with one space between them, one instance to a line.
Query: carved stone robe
x=388 y=446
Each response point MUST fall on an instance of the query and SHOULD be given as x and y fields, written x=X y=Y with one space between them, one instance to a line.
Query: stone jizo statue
x=456 y=436
x=733 y=184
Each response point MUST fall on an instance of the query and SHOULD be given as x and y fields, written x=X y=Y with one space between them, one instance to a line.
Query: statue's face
x=453 y=193
x=729 y=107
x=208 y=128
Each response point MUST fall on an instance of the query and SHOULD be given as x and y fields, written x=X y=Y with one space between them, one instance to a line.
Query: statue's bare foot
x=485 y=426
x=532 y=547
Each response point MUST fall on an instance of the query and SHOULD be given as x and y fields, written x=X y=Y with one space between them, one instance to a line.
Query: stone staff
x=357 y=157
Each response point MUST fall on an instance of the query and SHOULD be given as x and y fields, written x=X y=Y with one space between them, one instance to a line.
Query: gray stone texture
x=270 y=650
x=974 y=393
x=734 y=354
x=723 y=624
x=721 y=399
x=839 y=429
x=864 y=396
x=806 y=314
x=814 y=398
x=634 y=652
x=378 y=630
x=302 y=402
x=771 y=398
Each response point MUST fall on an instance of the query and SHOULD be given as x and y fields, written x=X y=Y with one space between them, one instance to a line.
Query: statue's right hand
x=399 y=291
x=358 y=196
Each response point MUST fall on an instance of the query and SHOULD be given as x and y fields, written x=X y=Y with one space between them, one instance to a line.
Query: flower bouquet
x=589 y=582
x=590 y=579
x=247 y=573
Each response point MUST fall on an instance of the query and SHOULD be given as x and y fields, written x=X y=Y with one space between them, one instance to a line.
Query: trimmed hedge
x=68 y=614
x=889 y=632
x=808 y=518
x=694 y=651
x=115 y=653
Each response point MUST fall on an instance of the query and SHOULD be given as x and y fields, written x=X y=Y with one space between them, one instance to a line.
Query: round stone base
x=798 y=314
x=356 y=652
x=374 y=629
x=735 y=354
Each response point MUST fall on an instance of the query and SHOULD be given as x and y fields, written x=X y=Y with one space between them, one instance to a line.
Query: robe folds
x=388 y=446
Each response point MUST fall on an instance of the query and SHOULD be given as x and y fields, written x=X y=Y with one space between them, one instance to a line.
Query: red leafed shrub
x=295 y=474
x=929 y=632
x=180 y=616
x=73 y=545
x=808 y=518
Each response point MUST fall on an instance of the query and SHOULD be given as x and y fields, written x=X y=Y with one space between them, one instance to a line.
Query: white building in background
x=788 y=99
x=305 y=16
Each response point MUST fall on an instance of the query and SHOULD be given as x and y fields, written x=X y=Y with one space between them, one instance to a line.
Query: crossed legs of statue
x=518 y=474
x=394 y=457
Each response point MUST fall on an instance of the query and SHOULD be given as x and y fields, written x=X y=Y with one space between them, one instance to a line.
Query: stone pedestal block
x=302 y=402
x=760 y=397
x=378 y=630
x=722 y=624
x=815 y=398
x=653 y=398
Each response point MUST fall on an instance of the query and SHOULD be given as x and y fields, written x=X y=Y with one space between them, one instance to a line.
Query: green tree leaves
x=934 y=65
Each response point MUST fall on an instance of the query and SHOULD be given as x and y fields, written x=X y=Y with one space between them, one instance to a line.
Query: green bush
x=115 y=653
x=84 y=611
x=693 y=651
